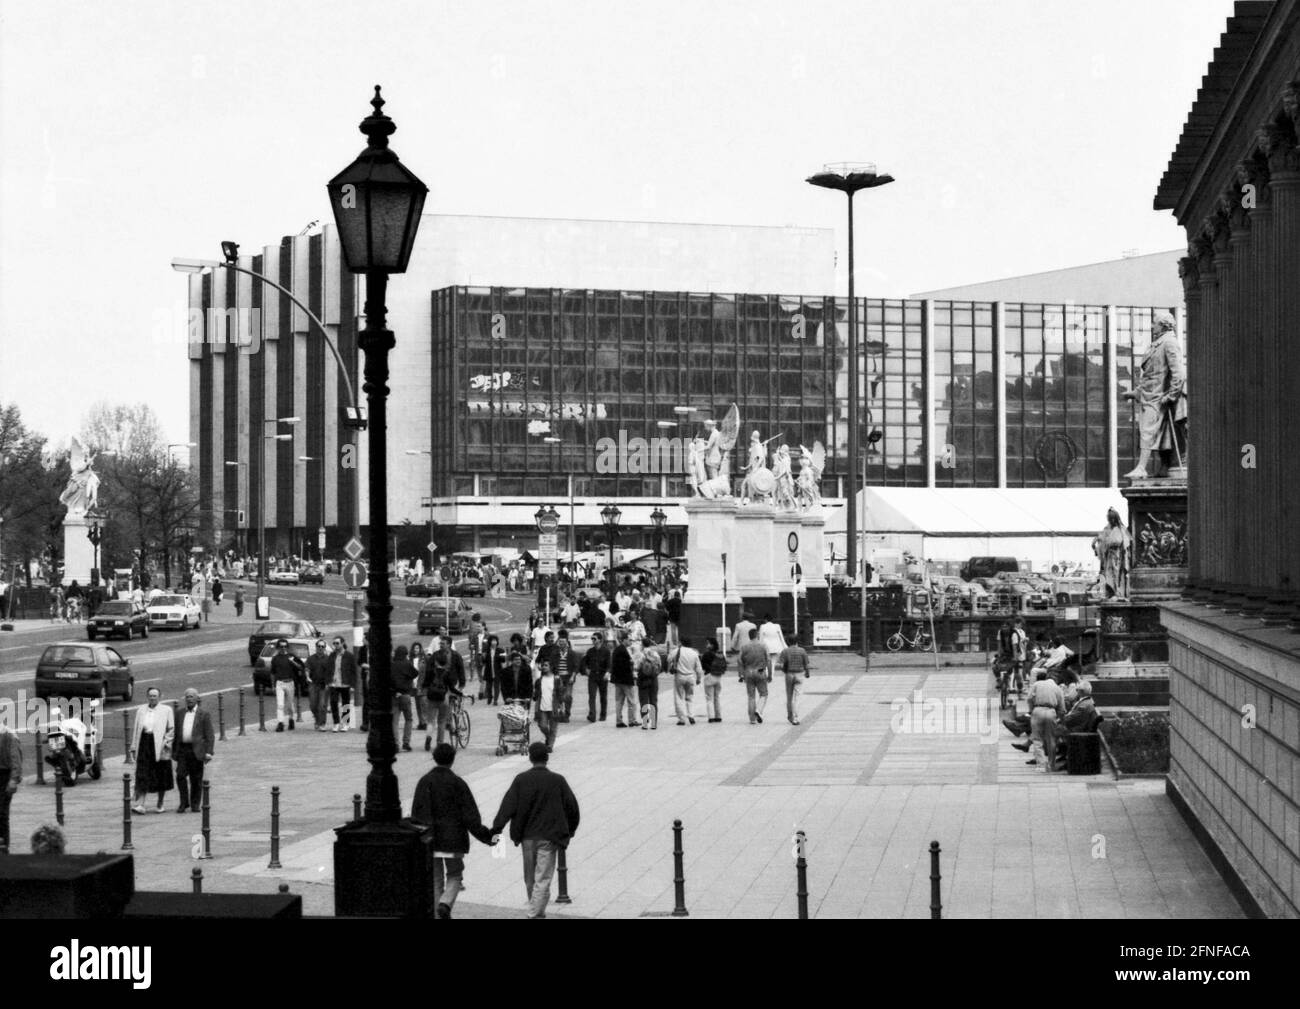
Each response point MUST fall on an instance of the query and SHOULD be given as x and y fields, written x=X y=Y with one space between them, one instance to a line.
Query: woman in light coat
x=152 y=738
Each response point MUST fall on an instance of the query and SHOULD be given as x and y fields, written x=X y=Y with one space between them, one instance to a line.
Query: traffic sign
x=354 y=574
x=432 y=546
x=354 y=549
x=354 y=594
x=547 y=553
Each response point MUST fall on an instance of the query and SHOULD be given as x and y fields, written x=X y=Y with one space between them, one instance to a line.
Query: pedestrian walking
x=794 y=663
x=688 y=673
x=444 y=804
x=1046 y=706
x=444 y=675
x=152 y=737
x=239 y=600
x=195 y=745
x=206 y=608
x=318 y=684
x=755 y=675
x=342 y=681
x=404 y=678
x=715 y=668
x=543 y=815
x=517 y=680
x=647 y=687
x=595 y=666
x=769 y=633
x=217 y=590
x=418 y=660
x=11 y=776
x=285 y=669
x=544 y=703
x=494 y=667
x=623 y=675
x=565 y=666
x=740 y=635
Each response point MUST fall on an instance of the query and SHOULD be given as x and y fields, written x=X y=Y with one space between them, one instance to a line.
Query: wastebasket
x=1083 y=755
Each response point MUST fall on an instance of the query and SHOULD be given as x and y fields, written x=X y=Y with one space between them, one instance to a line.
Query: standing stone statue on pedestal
x=1112 y=546
x=1162 y=398
x=81 y=495
x=709 y=465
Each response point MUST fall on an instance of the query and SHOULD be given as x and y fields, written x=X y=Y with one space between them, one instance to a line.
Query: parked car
x=78 y=669
x=180 y=612
x=426 y=586
x=273 y=629
x=298 y=647
x=434 y=614
x=119 y=616
x=468 y=586
x=284 y=577
x=311 y=574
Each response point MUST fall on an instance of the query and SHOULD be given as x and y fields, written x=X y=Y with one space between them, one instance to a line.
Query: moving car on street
x=118 y=617
x=180 y=612
x=311 y=575
x=434 y=614
x=78 y=669
x=468 y=586
x=272 y=629
x=284 y=577
x=426 y=586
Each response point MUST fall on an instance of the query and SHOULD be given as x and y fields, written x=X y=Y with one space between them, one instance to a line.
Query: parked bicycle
x=921 y=641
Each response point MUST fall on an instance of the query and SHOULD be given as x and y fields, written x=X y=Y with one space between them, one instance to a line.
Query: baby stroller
x=516 y=725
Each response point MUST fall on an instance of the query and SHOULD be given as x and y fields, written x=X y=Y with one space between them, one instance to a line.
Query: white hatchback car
x=178 y=611
x=282 y=578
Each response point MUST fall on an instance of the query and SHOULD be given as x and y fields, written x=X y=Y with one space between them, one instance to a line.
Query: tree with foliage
x=30 y=484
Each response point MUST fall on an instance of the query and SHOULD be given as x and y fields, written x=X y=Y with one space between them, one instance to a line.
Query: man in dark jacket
x=403 y=677
x=444 y=803
x=624 y=678
x=195 y=742
x=444 y=674
x=517 y=679
x=595 y=666
x=318 y=680
x=543 y=814
x=285 y=670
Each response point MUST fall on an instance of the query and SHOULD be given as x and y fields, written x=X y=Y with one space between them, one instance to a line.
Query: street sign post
x=354 y=574
x=547 y=553
x=352 y=595
x=353 y=549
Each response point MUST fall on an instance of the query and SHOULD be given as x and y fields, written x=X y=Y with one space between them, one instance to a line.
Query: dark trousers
x=189 y=775
x=597 y=688
x=4 y=808
x=491 y=691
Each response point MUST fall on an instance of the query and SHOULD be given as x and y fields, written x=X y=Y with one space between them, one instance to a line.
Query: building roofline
x=1044 y=273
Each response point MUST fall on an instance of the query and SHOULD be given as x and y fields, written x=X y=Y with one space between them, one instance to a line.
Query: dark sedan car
x=119 y=616
x=273 y=629
x=426 y=586
x=78 y=669
x=311 y=575
x=468 y=586
x=454 y=616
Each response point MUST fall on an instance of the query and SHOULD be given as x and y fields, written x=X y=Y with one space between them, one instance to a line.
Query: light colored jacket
x=164 y=730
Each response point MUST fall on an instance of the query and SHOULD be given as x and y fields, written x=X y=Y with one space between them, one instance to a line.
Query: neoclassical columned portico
x=1234 y=638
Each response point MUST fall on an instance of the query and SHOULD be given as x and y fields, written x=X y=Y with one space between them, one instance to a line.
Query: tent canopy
x=964 y=511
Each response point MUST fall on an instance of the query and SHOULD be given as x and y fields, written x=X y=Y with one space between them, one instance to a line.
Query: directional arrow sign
x=354 y=574
x=354 y=549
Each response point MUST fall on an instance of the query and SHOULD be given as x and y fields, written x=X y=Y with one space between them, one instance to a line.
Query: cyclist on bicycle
x=444 y=674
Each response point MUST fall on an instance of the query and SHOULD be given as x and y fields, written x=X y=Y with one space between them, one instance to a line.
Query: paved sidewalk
x=868 y=779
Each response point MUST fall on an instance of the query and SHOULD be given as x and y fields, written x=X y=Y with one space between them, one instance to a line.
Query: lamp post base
x=381 y=870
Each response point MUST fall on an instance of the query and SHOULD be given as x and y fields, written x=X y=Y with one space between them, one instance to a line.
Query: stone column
x=1228 y=593
x=1201 y=365
x=711 y=526
x=78 y=551
x=812 y=558
x=1193 y=331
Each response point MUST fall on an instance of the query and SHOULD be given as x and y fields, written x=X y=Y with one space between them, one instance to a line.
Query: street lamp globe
x=377 y=202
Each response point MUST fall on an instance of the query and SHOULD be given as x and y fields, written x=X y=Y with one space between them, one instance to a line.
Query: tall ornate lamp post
x=379 y=864
x=848 y=178
x=659 y=519
x=609 y=516
x=95 y=534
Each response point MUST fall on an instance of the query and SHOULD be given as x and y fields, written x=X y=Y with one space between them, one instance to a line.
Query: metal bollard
x=261 y=712
x=562 y=870
x=241 y=711
x=356 y=806
x=275 y=828
x=196 y=879
x=126 y=813
x=936 y=908
x=58 y=797
x=679 y=877
x=126 y=736
x=221 y=717
x=801 y=872
x=207 y=820
x=40 y=760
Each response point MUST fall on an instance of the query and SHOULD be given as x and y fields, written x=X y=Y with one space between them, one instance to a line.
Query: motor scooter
x=72 y=746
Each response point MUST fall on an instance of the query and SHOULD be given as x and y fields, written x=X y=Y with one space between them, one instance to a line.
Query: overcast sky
x=1025 y=135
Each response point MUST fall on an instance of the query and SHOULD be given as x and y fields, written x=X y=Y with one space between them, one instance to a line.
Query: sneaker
x=691 y=720
x=794 y=722
x=619 y=725
x=680 y=722
x=157 y=809
x=444 y=910
x=633 y=725
x=336 y=728
x=324 y=728
x=759 y=717
x=279 y=726
x=138 y=809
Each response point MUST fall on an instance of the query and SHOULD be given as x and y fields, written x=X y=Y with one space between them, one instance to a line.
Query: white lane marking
x=201 y=672
x=152 y=679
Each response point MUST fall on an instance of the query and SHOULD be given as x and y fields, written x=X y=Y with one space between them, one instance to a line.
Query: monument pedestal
x=755 y=560
x=78 y=551
x=812 y=557
x=706 y=606
x=1134 y=660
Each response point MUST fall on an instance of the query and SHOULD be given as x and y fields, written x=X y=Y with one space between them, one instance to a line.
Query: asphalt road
x=215 y=657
